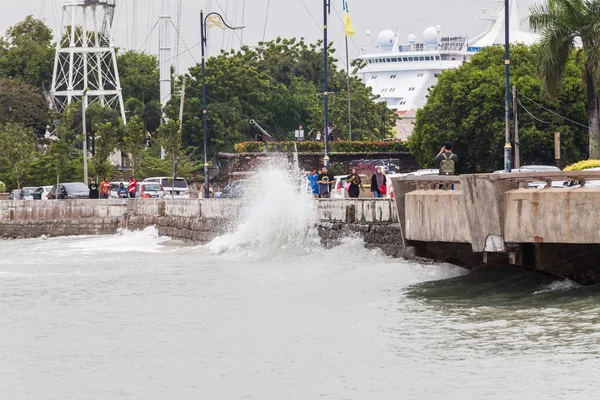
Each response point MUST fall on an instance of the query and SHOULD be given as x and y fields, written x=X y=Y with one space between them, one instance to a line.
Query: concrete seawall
x=193 y=220
x=197 y=221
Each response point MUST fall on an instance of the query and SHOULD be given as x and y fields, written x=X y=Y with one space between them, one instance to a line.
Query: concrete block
x=567 y=216
x=436 y=216
x=484 y=206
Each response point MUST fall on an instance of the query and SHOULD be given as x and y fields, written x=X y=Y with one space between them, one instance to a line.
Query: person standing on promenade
x=378 y=183
x=93 y=189
x=105 y=188
x=122 y=191
x=446 y=160
x=353 y=184
x=132 y=187
x=325 y=180
x=313 y=177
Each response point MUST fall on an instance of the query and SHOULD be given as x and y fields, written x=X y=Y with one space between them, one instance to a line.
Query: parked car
x=539 y=168
x=150 y=190
x=71 y=190
x=234 y=190
x=28 y=192
x=338 y=191
x=41 y=193
x=25 y=193
x=590 y=183
x=180 y=191
x=420 y=172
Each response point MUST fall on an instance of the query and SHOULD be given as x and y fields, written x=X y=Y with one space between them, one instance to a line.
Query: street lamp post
x=507 y=146
x=211 y=19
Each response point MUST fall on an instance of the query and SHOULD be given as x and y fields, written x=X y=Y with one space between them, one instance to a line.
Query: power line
x=147 y=37
x=183 y=41
x=228 y=22
x=554 y=112
x=183 y=52
x=530 y=114
x=266 y=20
x=358 y=49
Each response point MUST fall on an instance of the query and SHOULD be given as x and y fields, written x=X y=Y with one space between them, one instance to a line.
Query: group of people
x=321 y=182
x=102 y=190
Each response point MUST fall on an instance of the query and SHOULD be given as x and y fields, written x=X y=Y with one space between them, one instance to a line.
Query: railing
x=549 y=177
x=444 y=181
x=431 y=182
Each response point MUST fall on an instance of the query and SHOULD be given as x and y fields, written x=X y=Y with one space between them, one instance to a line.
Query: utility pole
x=507 y=146
x=164 y=59
x=348 y=85
x=84 y=124
x=516 y=118
x=326 y=5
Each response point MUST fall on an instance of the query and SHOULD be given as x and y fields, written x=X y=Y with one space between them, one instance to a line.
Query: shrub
x=585 y=164
x=339 y=146
x=2 y=187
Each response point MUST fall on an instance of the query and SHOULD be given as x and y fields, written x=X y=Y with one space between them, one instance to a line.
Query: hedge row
x=585 y=164
x=339 y=146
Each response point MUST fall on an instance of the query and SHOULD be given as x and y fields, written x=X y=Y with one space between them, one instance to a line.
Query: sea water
x=264 y=312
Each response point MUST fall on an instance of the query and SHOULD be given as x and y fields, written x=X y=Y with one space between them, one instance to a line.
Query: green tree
x=17 y=150
x=562 y=23
x=106 y=142
x=278 y=84
x=169 y=137
x=134 y=142
x=64 y=147
x=27 y=53
x=22 y=103
x=466 y=107
x=139 y=75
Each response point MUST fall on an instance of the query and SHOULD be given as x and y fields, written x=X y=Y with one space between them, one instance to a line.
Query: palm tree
x=564 y=24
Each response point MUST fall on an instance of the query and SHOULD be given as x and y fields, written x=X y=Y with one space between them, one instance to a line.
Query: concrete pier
x=504 y=222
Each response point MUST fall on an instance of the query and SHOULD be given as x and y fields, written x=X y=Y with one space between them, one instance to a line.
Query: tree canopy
x=279 y=84
x=564 y=23
x=466 y=107
x=27 y=53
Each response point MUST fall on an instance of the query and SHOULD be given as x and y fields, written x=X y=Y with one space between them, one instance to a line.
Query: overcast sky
x=286 y=18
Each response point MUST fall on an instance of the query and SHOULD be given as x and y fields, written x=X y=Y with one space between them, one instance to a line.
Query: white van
x=421 y=172
x=173 y=190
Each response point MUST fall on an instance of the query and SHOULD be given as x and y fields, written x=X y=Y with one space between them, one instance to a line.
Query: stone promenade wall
x=194 y=220
x=373 y=220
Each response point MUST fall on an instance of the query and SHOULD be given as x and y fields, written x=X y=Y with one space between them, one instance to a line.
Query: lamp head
x=239 y=27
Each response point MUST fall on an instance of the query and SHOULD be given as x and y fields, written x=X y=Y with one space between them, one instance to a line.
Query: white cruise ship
x=401 y=74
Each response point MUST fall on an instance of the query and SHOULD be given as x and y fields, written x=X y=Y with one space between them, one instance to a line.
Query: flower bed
x=581 y=165
x=339 y=146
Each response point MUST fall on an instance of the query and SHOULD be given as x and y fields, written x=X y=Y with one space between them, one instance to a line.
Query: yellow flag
x=348 y=28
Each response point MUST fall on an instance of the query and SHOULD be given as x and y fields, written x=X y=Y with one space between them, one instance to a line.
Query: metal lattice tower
x=85 y=66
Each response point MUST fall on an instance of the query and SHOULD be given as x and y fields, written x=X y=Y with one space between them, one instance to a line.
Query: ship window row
x=392 y=77
x=402 y=59
x=388 y=90
x=411 y=89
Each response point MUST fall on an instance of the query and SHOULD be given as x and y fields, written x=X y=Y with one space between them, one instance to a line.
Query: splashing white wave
x=279 y=216
x=558 y=286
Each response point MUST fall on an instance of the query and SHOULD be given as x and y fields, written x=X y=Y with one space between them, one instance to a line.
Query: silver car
x=149 y=190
